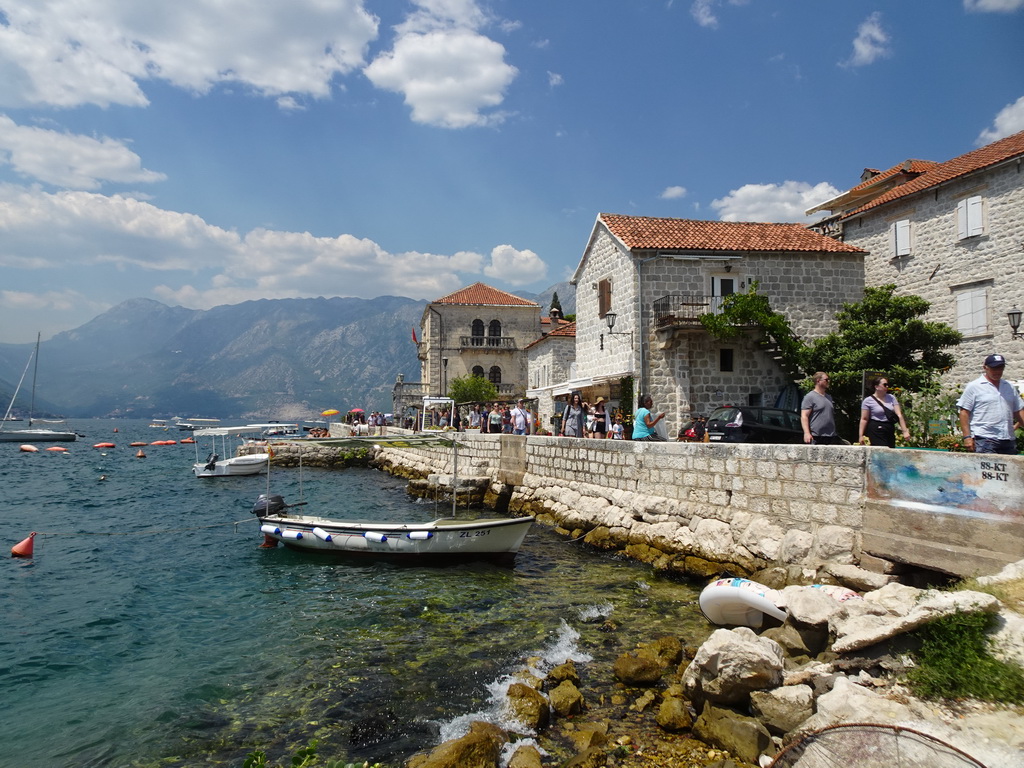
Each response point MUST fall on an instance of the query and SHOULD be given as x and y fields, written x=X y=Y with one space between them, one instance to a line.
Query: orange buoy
x=29 y=449
x=115 y=429
x=24 y=548
x=188 y=440
x=140 y=454
x=58 y=449
x=103 y=445
x=136 y=445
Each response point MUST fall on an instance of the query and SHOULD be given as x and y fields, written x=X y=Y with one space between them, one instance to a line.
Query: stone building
x=643 y=283
x=478 y=330
x=551 y=363
x=950 y=232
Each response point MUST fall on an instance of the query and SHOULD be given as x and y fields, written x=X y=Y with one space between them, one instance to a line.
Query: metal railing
x=684 y=309
x=487 y=342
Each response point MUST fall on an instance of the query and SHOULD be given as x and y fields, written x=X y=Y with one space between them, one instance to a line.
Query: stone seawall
x=703 y=509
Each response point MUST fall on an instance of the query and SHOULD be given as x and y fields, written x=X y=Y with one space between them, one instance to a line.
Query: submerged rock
x=480 y=748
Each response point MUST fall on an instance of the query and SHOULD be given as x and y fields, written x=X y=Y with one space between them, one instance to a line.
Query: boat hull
x=36 y=436
x=445 y=540
x=237 y=466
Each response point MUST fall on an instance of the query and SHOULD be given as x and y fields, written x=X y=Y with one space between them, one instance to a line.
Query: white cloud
x=993 y=6
x=673 y=193
x=448 y=77
x=871 y=43
x=448 y=72
x=555 y=79
x=56 y=234
x=779 y=203
x=703 y=11
x=515 y=267
x=67 y=53
x=1009 y=121
x=68 y=160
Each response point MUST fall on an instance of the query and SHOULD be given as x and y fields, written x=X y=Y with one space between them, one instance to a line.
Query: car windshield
x=727 y=415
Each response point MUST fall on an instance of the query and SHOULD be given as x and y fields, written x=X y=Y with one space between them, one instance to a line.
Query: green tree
x=471 y=389
x=882 y=332
x=555 y=303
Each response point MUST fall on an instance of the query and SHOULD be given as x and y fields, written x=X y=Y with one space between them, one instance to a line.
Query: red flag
x=414 y=339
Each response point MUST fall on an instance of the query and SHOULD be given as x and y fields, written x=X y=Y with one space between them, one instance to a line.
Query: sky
x=208 y=152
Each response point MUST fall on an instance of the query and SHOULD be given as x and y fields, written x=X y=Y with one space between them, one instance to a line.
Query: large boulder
x=783 y=709
x=528 y=706
x=525 y=756
x=480 y=748
x=743 y=736
x=732 y=663
x=632 y=668
x=863 y=623
x=566 y=699
x=673 y=715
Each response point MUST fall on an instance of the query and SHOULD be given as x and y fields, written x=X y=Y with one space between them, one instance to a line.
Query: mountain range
x=285 y=359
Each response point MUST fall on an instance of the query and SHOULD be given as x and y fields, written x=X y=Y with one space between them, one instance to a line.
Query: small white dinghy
x=741 y=602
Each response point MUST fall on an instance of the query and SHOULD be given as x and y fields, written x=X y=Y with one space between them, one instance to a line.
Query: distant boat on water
x=31 y=434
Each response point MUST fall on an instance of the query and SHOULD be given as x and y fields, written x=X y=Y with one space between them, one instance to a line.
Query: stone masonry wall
x=939 y=263
x=693 y=508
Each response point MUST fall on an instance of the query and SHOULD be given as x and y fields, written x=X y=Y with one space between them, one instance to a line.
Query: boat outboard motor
x=211 y=461
x=268 y=505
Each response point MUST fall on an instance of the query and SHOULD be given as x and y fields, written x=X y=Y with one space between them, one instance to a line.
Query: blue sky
x=206 y=152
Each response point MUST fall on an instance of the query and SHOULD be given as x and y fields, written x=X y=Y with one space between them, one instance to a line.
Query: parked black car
x=748 y=424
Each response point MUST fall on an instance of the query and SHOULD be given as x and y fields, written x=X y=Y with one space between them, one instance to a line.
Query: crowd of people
x=989 y=409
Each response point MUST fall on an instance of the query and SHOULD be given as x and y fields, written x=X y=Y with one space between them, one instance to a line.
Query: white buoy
x=420 y=535
x=320 y=533
x=270 y=529
x=291 y=534
x=375 y=536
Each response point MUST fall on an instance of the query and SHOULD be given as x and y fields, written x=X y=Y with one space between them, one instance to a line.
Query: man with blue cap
x=988 y=408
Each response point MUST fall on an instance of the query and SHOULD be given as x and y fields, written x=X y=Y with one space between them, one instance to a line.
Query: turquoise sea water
x=150 y=629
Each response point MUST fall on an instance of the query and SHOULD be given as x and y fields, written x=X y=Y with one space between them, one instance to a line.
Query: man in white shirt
x=520 y=419
x=988 y=408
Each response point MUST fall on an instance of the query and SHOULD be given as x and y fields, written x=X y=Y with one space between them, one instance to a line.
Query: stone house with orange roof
x=952 y=233
x=643 y=283
x=477 y=330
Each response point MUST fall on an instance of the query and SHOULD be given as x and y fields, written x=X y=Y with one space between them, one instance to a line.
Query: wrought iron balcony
x=488 y=342
x=683 y=310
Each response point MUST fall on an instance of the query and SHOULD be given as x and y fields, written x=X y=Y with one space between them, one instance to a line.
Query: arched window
x=495 y=375
x=478 y=333
x=494 y=333
x=478 y=370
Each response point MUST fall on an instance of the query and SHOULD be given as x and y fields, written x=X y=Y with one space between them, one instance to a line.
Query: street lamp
x=609 y=317
x=1014 y=317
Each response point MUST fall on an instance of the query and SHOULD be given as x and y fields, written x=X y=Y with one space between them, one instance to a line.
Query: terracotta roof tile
x=991 y=154
x=481 y=294
x=568 y=329
x=909 y=167
x=647 y=233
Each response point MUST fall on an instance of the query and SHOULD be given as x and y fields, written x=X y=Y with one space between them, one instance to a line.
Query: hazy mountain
x=271 y=359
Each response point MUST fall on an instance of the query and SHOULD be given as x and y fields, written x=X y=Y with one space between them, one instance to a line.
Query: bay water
x=150 y=629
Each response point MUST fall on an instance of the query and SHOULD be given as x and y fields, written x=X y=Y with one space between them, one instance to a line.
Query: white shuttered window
x=969 y=218
x=972 y=311
x=899 y=238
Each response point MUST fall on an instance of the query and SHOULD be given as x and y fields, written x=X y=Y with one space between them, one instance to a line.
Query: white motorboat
x=443 y=539
x=221 y=463
x=32 y=434
x=440 y=540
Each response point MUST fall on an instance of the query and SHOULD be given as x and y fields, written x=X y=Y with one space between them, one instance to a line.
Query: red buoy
x=24 y=548
x=104 y=445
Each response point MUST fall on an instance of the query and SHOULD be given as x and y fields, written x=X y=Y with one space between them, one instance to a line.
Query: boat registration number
x=471 y=534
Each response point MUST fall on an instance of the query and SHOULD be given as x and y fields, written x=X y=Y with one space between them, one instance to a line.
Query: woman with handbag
x=879 y=414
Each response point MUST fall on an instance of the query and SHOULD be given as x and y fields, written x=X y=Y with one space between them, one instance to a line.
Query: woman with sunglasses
x=879 y=414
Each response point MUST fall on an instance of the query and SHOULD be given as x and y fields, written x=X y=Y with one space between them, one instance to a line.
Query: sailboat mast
x=35 y=371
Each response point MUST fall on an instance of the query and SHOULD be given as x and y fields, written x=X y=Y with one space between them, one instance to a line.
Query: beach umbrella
x=355 y=410
x=330 y=412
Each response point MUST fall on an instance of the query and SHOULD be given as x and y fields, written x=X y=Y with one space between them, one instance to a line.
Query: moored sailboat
x=30 y=433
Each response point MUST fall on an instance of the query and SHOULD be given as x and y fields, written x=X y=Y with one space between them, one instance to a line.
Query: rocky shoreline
x=742 y=697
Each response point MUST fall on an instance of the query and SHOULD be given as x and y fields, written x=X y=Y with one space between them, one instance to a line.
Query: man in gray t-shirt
x=817 y=414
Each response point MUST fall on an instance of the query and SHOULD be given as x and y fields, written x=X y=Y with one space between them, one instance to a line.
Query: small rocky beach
x=742 y=696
